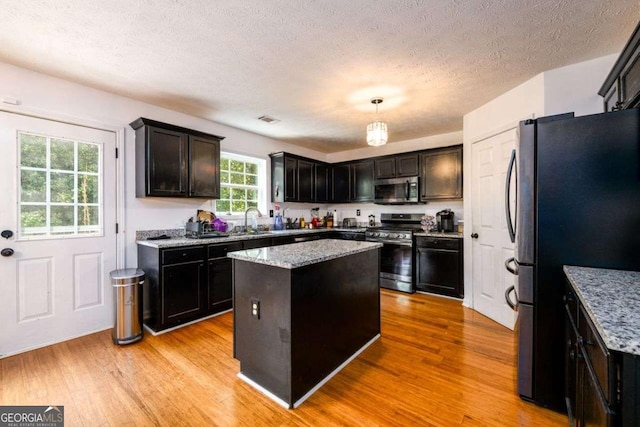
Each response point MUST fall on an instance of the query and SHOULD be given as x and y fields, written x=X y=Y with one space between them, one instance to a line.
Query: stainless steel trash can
x=127 y=300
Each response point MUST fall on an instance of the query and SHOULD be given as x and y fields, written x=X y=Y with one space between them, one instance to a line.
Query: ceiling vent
x=268 y=119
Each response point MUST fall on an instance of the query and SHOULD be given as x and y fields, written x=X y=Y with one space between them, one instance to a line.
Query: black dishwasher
x=438 y=262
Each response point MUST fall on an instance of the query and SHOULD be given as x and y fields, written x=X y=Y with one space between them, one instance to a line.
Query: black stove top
x=395 y=227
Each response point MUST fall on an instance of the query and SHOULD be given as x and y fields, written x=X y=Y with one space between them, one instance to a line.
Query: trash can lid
x=126 y=276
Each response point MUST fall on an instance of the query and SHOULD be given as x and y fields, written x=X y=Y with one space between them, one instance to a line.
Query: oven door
x=396 y=266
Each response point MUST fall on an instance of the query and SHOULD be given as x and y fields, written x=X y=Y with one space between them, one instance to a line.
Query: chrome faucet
x=246 y=229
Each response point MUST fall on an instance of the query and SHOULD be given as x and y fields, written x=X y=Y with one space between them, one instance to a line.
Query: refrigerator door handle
x=513 y=270
x=507 y=196
x=514 y=306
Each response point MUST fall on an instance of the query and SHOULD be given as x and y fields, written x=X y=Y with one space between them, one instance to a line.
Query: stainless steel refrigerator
x=577 y=183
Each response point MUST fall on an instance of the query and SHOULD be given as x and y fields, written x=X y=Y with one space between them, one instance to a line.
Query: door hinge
x=117 y=228
x=116 y=152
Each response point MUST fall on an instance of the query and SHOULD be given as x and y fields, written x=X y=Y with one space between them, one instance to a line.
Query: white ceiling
x=314 y=65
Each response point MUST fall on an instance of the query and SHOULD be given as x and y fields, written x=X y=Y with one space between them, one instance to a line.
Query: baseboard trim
x=156 y=333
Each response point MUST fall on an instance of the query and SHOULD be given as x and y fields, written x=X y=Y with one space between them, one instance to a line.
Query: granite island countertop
x=612 y=301
x=296 y=255
x=177 y=236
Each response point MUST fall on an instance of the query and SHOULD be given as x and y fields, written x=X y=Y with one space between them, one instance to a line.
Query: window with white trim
x=243 y=182
x=60 y=187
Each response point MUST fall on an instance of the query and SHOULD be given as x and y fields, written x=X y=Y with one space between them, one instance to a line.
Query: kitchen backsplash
x=297 y=210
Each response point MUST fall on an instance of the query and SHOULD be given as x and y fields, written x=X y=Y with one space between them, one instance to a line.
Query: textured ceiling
x=314 y=65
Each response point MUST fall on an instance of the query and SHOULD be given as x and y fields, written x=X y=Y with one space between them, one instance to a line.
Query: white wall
x=47 y=96
x=575 y=87
x=521 y=102
x=571 y=88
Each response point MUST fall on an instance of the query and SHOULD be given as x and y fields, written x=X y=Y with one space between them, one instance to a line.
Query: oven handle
x=391 y=242
x=408 y=190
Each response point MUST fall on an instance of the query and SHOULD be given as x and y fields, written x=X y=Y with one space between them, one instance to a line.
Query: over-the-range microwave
x=396 y=191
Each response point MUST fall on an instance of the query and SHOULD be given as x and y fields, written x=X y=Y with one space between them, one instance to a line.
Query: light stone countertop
x=177 y=236
x=296 y=255
x=612 y=301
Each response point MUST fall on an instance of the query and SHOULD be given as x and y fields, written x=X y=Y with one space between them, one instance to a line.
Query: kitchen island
x=302 y=312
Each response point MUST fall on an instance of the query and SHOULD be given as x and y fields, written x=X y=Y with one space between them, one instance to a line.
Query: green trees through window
x=239 y=185
x=60 y=190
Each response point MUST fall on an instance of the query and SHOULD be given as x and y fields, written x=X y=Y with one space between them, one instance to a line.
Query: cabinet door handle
x=474 y=235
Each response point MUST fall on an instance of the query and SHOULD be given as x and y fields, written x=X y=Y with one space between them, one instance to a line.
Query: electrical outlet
x=255 y=308
x=357 y=212
x=270 y=213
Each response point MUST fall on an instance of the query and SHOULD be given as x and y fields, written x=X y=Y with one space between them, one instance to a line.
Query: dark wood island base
x=296 y=327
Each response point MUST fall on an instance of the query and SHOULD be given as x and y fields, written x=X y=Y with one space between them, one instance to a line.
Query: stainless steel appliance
x=577 y=182
x=444 y=220
x=349 y=223
x=396 y=258
x=396 y=191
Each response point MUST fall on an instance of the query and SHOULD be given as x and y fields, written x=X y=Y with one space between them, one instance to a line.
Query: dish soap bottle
x=278 y=224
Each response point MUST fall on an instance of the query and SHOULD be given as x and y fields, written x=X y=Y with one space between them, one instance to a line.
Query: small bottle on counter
x=302 y=224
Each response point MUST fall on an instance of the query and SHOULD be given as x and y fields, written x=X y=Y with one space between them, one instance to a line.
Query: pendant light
x=377 y=132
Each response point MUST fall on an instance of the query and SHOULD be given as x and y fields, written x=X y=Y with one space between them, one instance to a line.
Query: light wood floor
x=436 y=363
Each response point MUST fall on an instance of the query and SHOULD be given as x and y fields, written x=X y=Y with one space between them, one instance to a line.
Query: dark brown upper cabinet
x=362 y=181
x=621 y=88
x=323 y=182
x=352 y=182
x=173 y=161
x=401 y=165
x=441 y=176
x=306 y=181
x=300 y=179
x=341 y=183
x=385 y=167
x=295 y=179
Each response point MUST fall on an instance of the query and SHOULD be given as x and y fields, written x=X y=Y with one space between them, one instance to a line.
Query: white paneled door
x=491 y=244
x=58 y=192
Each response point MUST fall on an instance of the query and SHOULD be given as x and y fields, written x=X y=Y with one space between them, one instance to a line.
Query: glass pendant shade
x=377 y=133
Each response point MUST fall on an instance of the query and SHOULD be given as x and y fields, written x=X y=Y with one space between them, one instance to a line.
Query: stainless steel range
x=396 y=259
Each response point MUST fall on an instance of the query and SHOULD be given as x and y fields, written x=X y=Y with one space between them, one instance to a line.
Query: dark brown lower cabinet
x=220 y=279
x=181 y=292
x=438 y=266
x=186 y=283
x=601 y=386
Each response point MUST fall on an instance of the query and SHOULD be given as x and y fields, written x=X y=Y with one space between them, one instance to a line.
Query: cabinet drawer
x=437 y=242
x=220 y=251
x=597 y=353
x=175 y=256
x=256 y=243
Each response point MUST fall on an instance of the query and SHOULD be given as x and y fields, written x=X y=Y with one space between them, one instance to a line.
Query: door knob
x=6 y=252
x=7 y=234
x=474 y=235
